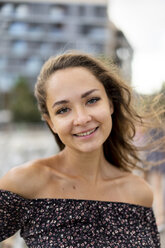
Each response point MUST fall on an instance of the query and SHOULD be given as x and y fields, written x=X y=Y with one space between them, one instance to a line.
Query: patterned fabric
x=76 y=223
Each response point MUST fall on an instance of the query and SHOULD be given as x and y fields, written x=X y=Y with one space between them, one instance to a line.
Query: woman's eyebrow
x=60 y=102
x=67 y=101
x=88 y=93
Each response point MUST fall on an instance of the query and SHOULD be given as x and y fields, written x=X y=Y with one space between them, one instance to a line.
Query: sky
x=143 y=23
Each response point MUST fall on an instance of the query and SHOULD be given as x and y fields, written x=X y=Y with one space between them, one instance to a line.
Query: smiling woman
x=116 y=90
x=86 y=195
x=81 y=109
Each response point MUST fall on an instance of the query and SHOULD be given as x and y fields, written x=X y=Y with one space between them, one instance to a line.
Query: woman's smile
x=86 y=134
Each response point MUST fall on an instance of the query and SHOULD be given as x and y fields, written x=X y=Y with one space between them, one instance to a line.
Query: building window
x=3 y=63
x=100 y=11
x=57 y=29
x=45 y=49
x=7 y=9
x=36 y=9
x=33 y=65
x=22 y=10
x=18 y=28
x=95 y=32
x=19 y=47
x=58 y=11
x=36 y=30
x=82 y=10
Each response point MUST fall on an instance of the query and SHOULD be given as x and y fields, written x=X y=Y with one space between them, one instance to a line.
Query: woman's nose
x=82 y=117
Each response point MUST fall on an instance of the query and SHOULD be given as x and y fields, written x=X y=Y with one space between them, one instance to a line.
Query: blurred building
x=31 y=31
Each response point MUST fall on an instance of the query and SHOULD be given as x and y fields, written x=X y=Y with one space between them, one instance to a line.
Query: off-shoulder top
x=77 y=223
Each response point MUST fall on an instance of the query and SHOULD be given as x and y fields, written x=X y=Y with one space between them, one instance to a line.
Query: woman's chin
x=88 y=148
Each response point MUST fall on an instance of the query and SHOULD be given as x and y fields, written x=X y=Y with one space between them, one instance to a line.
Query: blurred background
x=130 y=34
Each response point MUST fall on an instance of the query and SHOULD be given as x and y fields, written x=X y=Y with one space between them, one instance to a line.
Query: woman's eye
x=62 y=111
x=93 y=100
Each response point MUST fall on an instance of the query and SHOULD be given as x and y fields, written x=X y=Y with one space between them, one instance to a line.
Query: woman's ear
x=49 y=122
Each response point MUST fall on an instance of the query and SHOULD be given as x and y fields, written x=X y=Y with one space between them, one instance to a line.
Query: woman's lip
x=86 y=131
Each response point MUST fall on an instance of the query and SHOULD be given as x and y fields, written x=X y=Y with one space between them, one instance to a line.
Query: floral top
x=76 y=223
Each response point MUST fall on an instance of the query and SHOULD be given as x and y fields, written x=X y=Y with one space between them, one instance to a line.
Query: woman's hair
x=119 y=148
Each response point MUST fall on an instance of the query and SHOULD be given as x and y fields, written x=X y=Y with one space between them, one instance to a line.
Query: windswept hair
x=119 y=148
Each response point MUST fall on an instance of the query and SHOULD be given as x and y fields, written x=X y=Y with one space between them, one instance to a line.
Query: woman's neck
x=88 y=166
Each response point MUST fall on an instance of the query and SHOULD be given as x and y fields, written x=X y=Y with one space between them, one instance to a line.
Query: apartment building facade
x=31 y=31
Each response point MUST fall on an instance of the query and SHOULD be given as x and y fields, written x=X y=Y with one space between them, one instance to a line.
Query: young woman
x=86 y=195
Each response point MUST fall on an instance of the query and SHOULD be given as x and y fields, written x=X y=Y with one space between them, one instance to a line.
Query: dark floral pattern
x=72 y=223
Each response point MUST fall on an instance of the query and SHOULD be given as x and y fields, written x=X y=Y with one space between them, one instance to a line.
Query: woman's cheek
x=63 y=126
x=104 y=115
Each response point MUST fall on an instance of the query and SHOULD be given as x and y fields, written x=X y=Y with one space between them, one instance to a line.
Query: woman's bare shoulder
x=26 y=179
x=140 y=190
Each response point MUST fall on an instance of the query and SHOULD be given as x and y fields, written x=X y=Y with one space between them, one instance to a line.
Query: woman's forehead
x=72 y=77
x=72 y=83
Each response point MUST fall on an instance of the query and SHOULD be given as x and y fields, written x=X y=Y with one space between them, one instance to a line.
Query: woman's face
x=80 y=111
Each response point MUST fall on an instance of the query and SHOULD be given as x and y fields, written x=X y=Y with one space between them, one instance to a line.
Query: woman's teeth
x=87 y=133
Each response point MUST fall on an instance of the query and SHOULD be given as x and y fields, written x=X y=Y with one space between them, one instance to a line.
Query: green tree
x=23 y=103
